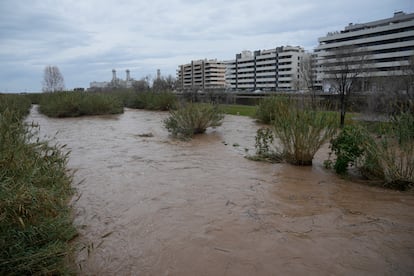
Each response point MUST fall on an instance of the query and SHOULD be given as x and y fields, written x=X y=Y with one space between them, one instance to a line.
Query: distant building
x=114 y=83
x=273 y=69
x=201 y=74
x=387 y=43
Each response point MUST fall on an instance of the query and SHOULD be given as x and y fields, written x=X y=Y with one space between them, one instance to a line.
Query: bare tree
x=344 y=68
x=307 y=72
x=52 y=79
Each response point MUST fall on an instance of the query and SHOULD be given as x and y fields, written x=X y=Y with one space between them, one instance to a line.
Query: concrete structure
x=114 y=83
x=274 y=69
x=201 y=74
x=387 y=44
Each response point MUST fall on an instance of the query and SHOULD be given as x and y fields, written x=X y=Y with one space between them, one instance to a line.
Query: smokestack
x=158 y=74
x=128 y=78
x=113 y=75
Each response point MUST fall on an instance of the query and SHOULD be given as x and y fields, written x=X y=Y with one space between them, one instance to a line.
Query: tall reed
x=35 y=220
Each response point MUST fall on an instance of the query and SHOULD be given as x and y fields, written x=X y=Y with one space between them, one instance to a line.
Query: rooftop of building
x=398 y=17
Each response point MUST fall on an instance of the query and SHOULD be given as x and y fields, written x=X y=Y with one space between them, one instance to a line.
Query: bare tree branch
x=343 y=68
x=52 y=79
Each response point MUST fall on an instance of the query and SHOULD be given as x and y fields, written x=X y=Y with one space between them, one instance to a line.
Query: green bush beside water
x=380 y=151
x=242 y=110
x=298 y=130
x=19 y=104
x=74 y=104
x=35 y=220
x=153 y=101
x=193 y=119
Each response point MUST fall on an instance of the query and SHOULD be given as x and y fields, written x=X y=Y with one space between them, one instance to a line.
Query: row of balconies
x=371 y=41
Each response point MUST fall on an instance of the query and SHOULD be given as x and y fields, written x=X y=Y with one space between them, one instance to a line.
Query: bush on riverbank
x=380 y=151
x=242 y=110
x=74 y=104
x=299 y=130
x=153 y=101
x=35 y=221
x=193 y=119
x=19 y=104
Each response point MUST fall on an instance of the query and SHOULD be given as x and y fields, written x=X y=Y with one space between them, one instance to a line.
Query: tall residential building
x=201 y=74
x=387 y=45
x=274 y=69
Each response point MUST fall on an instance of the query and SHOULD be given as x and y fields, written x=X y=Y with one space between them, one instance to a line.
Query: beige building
x=274 y=69
x=201 y=75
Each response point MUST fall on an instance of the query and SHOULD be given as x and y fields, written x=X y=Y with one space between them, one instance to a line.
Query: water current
x=148 y=204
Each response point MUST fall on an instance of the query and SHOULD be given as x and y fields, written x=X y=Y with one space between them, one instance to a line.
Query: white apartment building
x=388 y=45
x=201 y=74
x=273 y=69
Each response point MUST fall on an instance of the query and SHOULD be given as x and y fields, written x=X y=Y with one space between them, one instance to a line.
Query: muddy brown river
x=159 y=206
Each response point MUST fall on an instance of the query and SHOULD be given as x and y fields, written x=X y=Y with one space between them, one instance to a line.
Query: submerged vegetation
x=35 y=220
x=193 y=119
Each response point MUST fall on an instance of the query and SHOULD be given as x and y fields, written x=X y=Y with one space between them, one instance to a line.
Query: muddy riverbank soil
x=151 y=205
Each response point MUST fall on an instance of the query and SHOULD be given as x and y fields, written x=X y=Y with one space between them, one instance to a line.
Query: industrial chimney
x=113 y=75
x=158 y=74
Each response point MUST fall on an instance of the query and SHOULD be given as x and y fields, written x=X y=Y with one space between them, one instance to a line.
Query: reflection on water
x=158 y=206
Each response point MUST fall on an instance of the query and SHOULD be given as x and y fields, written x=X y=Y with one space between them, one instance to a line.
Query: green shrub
x=242 y=110
x=301 y=130
x=193 y=119
x=265 y=150
x=349 y=147
x=154 y=101
x=19 y=104
x=34 y=98
x=266 y=109
x=391 y=156
x=74 y=104
x=35 y=221
x=383 y=152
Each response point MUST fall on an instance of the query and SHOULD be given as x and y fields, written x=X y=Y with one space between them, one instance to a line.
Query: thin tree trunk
x=343 y=108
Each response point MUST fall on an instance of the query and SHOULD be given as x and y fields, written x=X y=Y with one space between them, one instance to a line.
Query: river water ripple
x=158 y=206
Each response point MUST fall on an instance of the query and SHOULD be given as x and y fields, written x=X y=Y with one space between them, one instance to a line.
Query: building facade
x=201 y=75
x=267 y=70
x=386 y=45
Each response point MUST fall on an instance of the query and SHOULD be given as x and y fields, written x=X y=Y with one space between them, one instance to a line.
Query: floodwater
x=160 y=206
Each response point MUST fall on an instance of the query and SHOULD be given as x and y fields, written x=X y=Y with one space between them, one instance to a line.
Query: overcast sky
x=86 y=39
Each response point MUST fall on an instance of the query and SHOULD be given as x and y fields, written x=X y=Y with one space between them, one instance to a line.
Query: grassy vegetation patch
x=382 y=151
x=152 y=100
x=193 y=119
x=20 y=105
x=242 y=110
x=35 y=220
x=74 y=104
